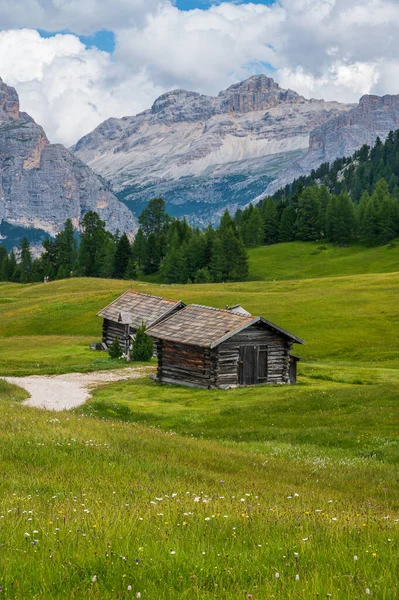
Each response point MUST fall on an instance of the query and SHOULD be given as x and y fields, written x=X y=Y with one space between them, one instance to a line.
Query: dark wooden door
x=253 y=364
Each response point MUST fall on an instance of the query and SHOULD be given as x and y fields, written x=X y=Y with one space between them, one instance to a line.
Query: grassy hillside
x=47 y=328
x=99 y=509
x=179 y=493
x=299 y=260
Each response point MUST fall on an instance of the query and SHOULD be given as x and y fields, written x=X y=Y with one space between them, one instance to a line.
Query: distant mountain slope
x=43 y=184
x=373 y=117
x=203 y=154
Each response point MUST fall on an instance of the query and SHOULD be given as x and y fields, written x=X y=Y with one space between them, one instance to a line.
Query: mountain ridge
x=374 y=116
x=205 y=151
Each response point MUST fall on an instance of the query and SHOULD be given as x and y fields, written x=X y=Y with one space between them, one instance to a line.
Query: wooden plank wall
x=112 y=329
x=225 y=365
x=183 y=364
x=278 y=354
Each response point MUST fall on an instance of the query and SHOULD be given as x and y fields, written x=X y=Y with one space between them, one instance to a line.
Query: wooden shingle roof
x=205 y=326
x=136 y=308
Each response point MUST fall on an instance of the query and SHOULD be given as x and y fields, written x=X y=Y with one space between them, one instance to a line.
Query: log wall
x=183 y=364
x=112 y=329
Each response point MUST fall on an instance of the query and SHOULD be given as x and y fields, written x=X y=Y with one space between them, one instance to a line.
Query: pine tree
x=346 y=220
x=115 y=350
x=195 y=254
x=154 y=218
x=174 y=266
x=25 y=261
x=123 y=253
x=66 y=249
x=369 y=227
x=3 y=264
x=139 y=247
x=203 y=276
x=234 y=254
x=251 y=228
x=270 y=221
x=386 y=212
x=13 y=274
x=324 y=197
x=287 y=227
x=153 y=254
x=143 y=347
x=308 y=215
x=95 y=246
x=218 y=261
x=131 y=270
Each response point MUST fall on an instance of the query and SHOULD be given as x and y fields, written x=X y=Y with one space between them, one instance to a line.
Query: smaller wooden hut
x=127 y=313
x=207 y=347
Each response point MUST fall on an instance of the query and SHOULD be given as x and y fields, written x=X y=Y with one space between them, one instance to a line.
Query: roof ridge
x=224 y=310
x=150 y=296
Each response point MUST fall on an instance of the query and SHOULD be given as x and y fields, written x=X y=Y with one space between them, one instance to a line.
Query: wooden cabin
x=127 y=313
x=206 y=347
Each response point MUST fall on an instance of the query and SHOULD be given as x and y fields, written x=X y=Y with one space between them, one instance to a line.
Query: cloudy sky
x=78 y=62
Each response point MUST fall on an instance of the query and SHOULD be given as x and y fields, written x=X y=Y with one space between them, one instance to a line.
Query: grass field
x=168 y=492
x=299 y=260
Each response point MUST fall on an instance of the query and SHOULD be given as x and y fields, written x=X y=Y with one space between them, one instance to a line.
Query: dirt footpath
x=62 y=392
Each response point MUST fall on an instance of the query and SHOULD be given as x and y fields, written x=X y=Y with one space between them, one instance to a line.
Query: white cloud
x=68 y=88
x=336 y=49
x=203 y=50
x=80 y=16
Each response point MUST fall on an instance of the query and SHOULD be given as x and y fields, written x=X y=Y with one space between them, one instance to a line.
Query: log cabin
x=127 y=313
x=206 y=347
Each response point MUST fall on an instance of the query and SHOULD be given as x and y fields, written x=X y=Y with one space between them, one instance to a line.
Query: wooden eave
x=255 y=320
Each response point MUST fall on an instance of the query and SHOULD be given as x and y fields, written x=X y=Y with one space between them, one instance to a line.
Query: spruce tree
x=234 y=255
x=251 y=228
x=143 y=346
x=345 y=220
x=270 y=221
x=123 y=253
x=131 y=270
x=115 y=350
x=139 y=248
x=66 y=249
x=308 y=215
x=174 y=266
x=218 y=261
x=287 y=227
x=95 y=246
x=203 y=276
x=25 y=261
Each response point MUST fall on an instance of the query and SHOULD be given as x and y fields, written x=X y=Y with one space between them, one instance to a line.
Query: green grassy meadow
x=164 y=492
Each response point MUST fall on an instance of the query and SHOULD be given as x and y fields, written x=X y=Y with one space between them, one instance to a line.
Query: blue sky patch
x=103 y=40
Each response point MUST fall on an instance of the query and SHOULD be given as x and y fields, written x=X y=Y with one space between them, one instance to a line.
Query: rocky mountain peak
x=43 y=184
x=259 y=92
x=9 y=103
x=375 y=102
x=181 y=105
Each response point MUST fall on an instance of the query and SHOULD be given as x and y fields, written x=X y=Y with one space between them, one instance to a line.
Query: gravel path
x=62 y=392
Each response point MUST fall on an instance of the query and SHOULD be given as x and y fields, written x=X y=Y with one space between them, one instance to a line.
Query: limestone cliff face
x=202 y=153
x=43 y=184
x=373 y=117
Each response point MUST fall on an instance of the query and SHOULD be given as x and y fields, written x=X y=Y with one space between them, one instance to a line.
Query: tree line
x=353 y=199
x=313 y=213
x=166 y=249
